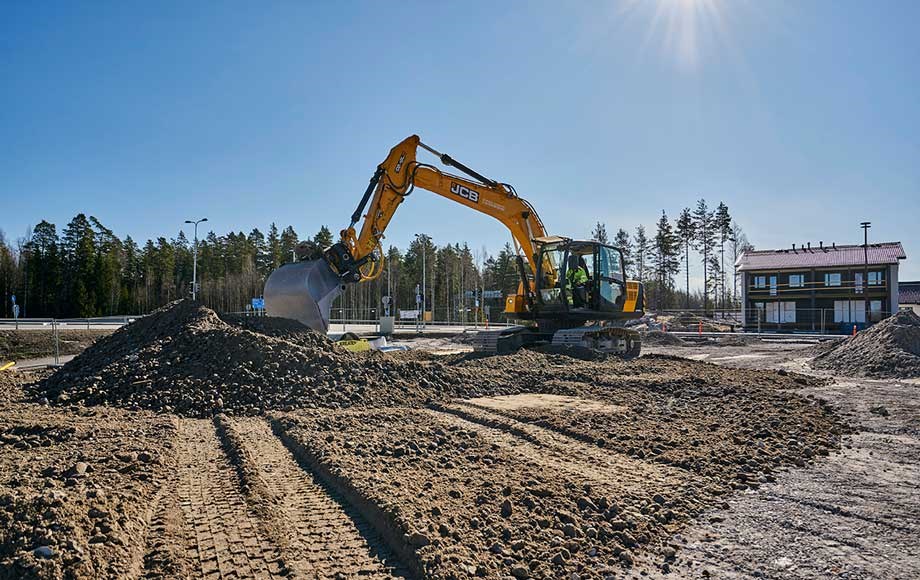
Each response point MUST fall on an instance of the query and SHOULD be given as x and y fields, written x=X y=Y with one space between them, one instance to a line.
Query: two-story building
x=819 y=289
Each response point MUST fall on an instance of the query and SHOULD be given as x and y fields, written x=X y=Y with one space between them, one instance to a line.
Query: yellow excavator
x=571 y=292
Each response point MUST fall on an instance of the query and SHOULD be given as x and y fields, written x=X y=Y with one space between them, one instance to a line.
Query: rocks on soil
x=661 y=338
x=888 y=349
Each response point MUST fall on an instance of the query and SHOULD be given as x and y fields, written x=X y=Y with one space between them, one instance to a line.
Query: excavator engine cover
x=303 y=291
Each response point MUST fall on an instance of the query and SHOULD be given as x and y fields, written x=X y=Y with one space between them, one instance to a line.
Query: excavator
x=570 y=292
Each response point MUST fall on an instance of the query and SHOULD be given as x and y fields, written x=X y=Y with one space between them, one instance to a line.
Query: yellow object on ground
x=360 y=345
x=6 y=366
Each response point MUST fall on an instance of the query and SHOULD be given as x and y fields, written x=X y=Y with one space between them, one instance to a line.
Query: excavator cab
x=561 y=294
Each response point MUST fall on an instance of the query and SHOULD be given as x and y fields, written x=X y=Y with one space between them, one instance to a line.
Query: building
x=909 y=296
x=819 y=289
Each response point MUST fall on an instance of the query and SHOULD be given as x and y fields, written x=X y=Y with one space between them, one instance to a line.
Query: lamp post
x=865 y=285
x=195 y=257
x=423 y=240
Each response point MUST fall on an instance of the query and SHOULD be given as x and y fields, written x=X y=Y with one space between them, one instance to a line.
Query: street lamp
x=423 y=239
x=195 y=257
x=865 y=285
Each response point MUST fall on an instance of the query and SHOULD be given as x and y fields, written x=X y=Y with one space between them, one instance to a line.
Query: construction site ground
x=855 y=514
x=537 y=465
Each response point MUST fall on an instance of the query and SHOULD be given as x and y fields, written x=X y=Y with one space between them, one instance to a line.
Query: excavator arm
x=358 y=256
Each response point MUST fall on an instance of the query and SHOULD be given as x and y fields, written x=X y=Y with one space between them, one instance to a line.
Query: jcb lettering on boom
x=464 y=192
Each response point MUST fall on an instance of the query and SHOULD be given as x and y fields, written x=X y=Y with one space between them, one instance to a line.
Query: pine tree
x=686 y=231
x=622 y=241
x=705 y=244
x=288 y=244
x=275 y=255
x=666 y=249
x=599 y=233
x=323 y=238
x=642 y=246
x=78 y=244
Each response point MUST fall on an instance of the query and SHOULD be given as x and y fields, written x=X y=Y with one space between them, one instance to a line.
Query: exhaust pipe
x=303 y=291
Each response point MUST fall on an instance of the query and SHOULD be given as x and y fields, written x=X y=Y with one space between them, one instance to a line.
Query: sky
x=803 y=117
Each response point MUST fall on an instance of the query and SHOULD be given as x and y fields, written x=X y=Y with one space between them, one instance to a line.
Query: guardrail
x=66 y=323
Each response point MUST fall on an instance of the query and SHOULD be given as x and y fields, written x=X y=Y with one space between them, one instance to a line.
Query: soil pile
x=889 y=349
x=660 y=338
x=185 y=359
x=20 y=344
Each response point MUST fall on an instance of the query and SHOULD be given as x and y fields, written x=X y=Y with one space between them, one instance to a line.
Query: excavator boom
x=305 y=290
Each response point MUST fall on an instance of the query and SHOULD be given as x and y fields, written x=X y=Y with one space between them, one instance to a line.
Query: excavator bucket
x=303 y=291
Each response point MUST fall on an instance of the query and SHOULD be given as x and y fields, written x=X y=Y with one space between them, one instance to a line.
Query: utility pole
x=195 y=257
x=865 y=226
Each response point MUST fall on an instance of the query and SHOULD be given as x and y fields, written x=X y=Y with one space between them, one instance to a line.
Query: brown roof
x=909 y=292
x=828 y=257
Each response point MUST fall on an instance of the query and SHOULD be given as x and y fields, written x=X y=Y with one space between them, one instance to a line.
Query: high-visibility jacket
x=576 y=276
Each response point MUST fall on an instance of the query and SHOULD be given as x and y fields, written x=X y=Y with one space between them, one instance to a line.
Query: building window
x=780 y=312
x=832 y=279
x=760 y=281
x=850 y=310
x=858 y=282
x=772 y=285
x=876 y=279
x=796 y=280
x=875 y=310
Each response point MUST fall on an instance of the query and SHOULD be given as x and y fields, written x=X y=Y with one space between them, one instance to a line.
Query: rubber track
x=324 y=538
x=223 y=535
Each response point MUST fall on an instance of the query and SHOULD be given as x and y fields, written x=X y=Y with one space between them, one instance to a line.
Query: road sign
x=13 y=298
x=258 y=303
x=15 y=311
x=385 y=300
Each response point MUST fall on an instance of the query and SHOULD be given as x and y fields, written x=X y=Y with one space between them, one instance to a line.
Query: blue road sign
x=258 y=303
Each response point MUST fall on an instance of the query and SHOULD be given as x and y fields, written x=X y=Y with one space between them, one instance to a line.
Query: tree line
x=85 y=270
x=715 y=240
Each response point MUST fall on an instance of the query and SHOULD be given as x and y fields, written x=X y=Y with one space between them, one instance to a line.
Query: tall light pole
x=195 y=257
x=865 y=285
x=423 y=240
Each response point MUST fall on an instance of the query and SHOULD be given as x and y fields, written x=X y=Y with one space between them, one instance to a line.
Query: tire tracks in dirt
x=558 y=452
x=204 y=526
x=319 y=534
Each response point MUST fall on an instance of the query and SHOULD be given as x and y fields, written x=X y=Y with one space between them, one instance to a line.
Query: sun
x=680 y=28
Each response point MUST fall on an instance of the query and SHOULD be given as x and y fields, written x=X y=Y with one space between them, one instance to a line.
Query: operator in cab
x=576 y=276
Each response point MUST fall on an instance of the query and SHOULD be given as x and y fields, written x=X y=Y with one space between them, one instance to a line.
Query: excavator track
x=612 y=339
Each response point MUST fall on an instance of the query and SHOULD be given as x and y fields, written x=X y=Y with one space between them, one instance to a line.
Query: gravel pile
x=185 y=359
x=660 y=338
x=889 y=349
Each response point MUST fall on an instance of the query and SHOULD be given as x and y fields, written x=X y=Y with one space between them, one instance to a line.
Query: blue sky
x=802 y=116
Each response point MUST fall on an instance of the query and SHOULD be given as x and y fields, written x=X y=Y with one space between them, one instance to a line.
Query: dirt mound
x=889 y=349
x=284 y=328
x=737 y=340
x=660 y=338
x=21 y=344
x=185 y=359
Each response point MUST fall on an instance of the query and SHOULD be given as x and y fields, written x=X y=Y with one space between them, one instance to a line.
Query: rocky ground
x=538 y=465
